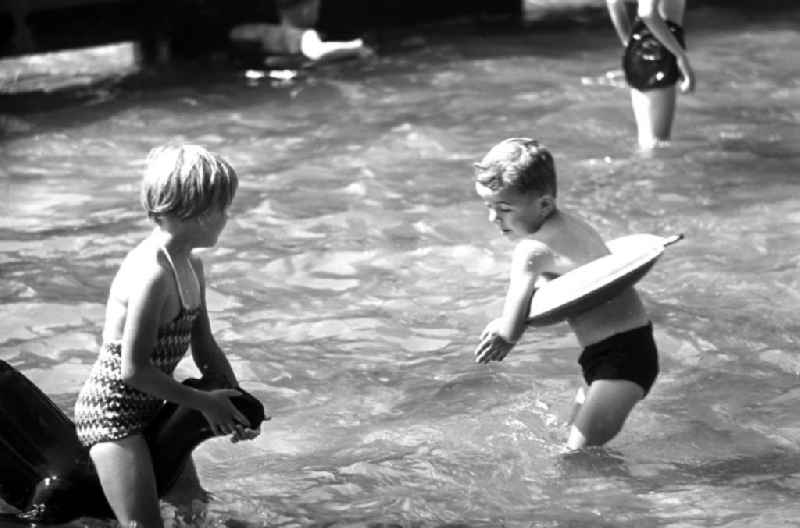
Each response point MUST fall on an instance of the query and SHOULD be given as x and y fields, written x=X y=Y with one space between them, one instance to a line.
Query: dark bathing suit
x=646 y=62
x=630 y=355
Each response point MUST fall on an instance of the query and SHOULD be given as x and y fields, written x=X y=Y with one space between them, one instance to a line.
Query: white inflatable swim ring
x=597 y=281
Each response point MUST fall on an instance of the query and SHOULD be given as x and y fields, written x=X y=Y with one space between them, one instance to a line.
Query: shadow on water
x=770 y=470
x=594 y=461
x=766 y=469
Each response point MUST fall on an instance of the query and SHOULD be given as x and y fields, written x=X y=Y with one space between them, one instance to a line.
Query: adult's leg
x=125 y=469
x=607 y=405
x=654 y=112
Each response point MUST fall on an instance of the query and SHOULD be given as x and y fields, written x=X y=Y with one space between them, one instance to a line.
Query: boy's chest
x=561 y=263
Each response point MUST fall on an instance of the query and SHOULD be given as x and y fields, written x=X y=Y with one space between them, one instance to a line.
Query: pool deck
x=36 y=26
x=33 y=26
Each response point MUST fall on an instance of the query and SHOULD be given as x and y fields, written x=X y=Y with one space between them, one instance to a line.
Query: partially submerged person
x=517 y=181
x=295 y=35
x=654 y=62
x=156 y=308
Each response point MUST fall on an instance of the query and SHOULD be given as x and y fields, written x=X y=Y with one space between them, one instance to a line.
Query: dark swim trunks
x=630 y=355
x=646 y=62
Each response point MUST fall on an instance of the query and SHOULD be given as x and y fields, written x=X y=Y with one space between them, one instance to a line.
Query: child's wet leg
x=603 y=413
x=188 y=496
x=187 y=486
x=126 y=474
x=580 y=397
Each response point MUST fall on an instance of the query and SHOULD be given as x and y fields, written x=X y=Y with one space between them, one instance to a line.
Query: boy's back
x=573 y=242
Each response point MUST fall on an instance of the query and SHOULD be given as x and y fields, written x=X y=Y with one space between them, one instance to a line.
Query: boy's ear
x=547 y=203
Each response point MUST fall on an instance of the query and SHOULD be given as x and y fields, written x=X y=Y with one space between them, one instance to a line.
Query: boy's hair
x=520 y=163
x=186 y=181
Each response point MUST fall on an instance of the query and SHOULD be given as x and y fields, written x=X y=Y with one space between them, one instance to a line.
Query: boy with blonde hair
x=517 y=181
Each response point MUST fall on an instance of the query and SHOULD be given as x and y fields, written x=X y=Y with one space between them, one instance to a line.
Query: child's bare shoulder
x=566 y=242
x=575 y=236
x=532 y=254
x=197 y=265
x=532 y=247
x=196 y=261
x=142 y=267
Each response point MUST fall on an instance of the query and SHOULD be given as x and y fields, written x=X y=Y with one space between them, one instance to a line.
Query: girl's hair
x=520 y=163
x=186 y=181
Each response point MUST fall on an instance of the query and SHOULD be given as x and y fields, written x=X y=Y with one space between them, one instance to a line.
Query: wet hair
x=186 y=181
x=518 y=163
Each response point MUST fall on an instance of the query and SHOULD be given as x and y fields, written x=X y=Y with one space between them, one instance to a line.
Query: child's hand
x=243 y=433
x=493 y=346
x=220 y=412
x=492 y=328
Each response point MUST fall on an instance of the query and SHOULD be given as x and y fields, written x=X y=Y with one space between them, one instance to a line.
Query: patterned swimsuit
x=109 y=409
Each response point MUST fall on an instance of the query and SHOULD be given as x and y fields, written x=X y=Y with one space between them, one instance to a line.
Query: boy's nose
x=492 y=215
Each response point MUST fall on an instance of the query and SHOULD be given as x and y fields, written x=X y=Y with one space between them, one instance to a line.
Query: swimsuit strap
x=184 y=304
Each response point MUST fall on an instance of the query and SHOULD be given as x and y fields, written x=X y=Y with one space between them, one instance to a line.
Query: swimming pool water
x=358 y=270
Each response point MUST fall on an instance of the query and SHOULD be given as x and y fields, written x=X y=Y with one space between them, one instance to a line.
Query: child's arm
x=529 y=259
x=648 y=12
x=207 y=354
x=144 y=307
x=620 y=19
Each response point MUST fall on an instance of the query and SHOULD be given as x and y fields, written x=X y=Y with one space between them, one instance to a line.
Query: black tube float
x=46 y=473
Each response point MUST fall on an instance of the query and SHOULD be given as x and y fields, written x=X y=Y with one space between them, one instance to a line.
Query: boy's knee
x=597 y=428
x=601 y=431
x=593 y=435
